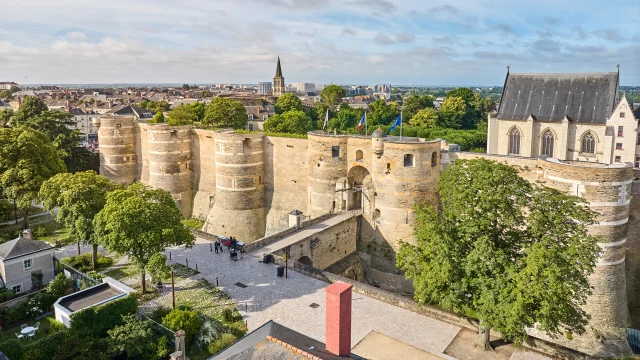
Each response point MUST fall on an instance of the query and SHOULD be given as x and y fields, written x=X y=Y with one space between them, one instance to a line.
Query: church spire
x=278 y=69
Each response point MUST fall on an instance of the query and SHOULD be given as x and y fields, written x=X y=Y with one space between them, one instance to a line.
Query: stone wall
x=633 y=255
x=118 y=156
x=286 y=180
x=326 y=167
x=204 y=169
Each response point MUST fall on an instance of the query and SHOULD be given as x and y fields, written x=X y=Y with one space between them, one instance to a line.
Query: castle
x=246 y=185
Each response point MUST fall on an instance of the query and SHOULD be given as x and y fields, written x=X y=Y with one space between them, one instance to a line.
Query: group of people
x=232 y=245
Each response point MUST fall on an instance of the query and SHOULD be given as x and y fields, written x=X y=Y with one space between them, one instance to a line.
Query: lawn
x=43 y=228
x=10 y=333
x=11 y=215
x=193 y=223
x=131 y=273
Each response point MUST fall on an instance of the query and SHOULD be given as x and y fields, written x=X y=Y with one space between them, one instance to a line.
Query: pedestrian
x=216 y=246
x=229 y=244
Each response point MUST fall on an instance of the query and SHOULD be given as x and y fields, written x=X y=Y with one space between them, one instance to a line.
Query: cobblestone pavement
x=288 y=301
x=522 y=354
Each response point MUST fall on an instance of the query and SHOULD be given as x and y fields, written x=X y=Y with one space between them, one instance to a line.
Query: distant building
x=131 y=110
x=304 y=87
x=6 y=85
x=257 y=115
x=264 y=88
x=383 y=88
x=278 y=81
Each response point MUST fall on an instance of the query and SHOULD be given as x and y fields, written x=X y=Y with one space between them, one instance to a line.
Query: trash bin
x=280 y=271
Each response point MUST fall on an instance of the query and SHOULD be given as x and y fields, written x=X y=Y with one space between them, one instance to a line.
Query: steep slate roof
x=582 y=97
x=21 y=246
x=127 y=110
x=278 y=69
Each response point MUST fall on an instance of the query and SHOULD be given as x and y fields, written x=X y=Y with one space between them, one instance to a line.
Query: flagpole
x=401 y=125
x=366 y=124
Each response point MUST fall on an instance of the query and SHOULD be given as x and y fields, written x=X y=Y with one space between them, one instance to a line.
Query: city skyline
x=379 y=41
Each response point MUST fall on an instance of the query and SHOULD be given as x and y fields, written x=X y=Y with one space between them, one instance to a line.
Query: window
x=17 y=289
x=388 y=168
x=408 y=160
x=434 y=159
x=622 y=114
x=250 y=127
x=638 y=139
x=620 y=131
x=547 y=143
x=514 y=141
x=359 y=155
x=618 y=159
x=250 y=116
x=265 y=117
x=637 y=164
x=27 y=264
x=335 y=151
x=618 y=146
x=589 y=143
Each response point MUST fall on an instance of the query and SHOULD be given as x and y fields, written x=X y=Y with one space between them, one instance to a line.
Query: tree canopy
x=451 y=112
x=381 y=113
x=158 y=118
x=427 y=118
x=414 y=103
x=182 y=115
x=287 y=102
x=140 y=222
x=346 y=118
x=332 y=95
x=27 y=159
x=511 y=253
x=294 y=122
x=225 y=112
x=6 y=94
x=79 y=197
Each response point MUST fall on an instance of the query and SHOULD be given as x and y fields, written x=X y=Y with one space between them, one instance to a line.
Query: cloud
x=546 y=46
x=347 y=31
x=310 y=33
x=608 y=34
x=579 y=32
x=504 y=29
x=405 y=38
x=444 y=9
x=76 y=35
x=295 y=4
x=402 y=38
x=382 y=39
x=551 y=20
x=379 y=5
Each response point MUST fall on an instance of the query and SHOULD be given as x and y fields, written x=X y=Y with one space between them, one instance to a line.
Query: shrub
x=12 y=348
x=56 y=326
x=84 y=262
x=98 y=320
x=158 y=314
x=59 y=285
x=6 y=294
x=131 y=338
x=41 y=303
x=46 y=347
x=162 y=348
x=227 y=315
x=210 y=331
x=186 y=320
x=222 y=343
x=42 y=231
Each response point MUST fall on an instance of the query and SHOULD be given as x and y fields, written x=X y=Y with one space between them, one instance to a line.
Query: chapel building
x=577 y=116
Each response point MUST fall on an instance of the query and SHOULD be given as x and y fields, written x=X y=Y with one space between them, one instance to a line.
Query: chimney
x=26 y=233
x=339 y=318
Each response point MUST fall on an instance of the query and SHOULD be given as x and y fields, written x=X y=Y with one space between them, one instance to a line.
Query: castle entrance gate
x=357 y=175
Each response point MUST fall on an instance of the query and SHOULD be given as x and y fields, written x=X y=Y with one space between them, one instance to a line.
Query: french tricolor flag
x=363 y=121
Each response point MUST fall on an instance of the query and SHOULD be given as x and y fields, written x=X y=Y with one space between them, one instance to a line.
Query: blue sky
x=325 y=41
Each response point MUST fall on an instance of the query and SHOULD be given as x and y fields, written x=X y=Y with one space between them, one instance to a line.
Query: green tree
x=294 y=122
x=27 y=159
x=186 y=320
x=198 y=108
x=140 y=222
x=318 y=112
x=158 y=118
x=59 y=285
x=182 y=115
x=511 y=253
x=225 y=112
x=427 y=118
x=332 y=95
x=158 y=268
x=14 y=89
x=6 y=94
x=346 y=118
x=79 y=197
x=5 y=116
x=132 y=337
x=287 y=102
x=30 y=107
x=414 y=103
x=205 y=94
x=382 y=113
x=451 y=112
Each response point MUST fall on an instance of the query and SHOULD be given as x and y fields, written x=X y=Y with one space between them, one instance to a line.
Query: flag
x=363 y=120
x=396 y=123
x=326 y=120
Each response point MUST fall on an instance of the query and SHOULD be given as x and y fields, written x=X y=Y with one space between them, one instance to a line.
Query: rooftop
x=91 y=296
x=20 y=247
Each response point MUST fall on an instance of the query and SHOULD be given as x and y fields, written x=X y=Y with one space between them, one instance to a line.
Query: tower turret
x=278 y=81
x=118 y=157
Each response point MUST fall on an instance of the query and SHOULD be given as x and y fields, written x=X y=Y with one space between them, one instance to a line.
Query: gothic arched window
x=547 y=143
x=514 y=142
x=589 y=143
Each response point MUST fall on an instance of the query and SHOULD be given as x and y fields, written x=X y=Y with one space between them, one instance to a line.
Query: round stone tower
x=239 y=208
x=377 y=142
x=327 y=156
x=170 y=163
x=117 y=139
x=607 y=188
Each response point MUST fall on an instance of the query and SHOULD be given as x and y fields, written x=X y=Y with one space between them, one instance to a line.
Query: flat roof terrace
x=89 y=297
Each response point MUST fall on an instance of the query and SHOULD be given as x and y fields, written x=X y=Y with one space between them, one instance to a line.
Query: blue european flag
x=396 y=123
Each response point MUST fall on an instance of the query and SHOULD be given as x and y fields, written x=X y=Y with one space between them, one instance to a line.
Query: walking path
x=13 y=222
x=304 y=232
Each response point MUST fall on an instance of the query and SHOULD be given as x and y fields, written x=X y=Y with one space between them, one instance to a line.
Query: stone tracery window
x=547 y=143
x=589 y=143
x=514 y=141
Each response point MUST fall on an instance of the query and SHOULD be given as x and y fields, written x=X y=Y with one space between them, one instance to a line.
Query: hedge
x=97 y=320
